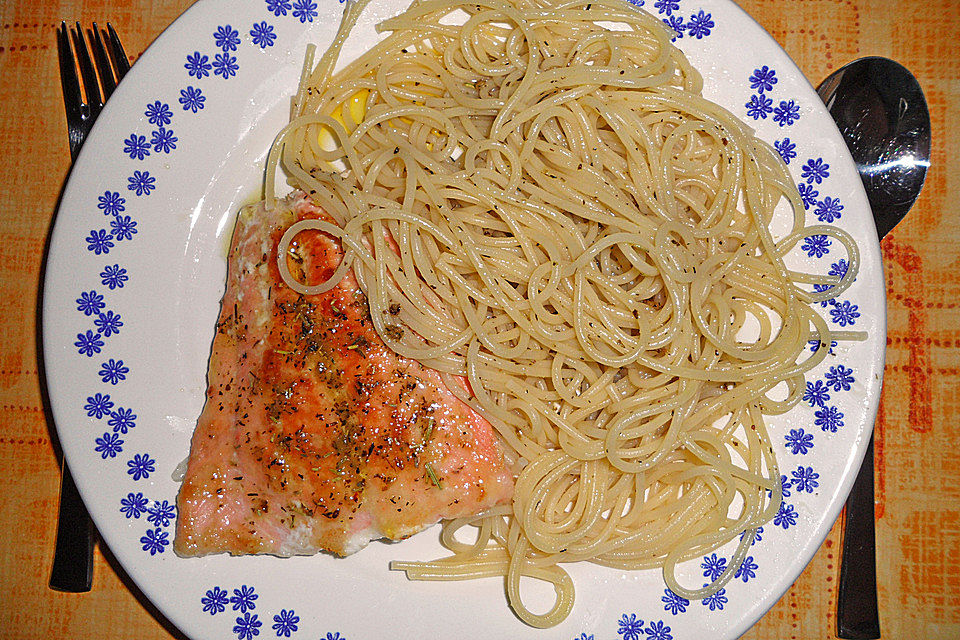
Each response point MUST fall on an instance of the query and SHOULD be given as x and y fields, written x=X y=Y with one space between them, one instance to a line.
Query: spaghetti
x=537 y=199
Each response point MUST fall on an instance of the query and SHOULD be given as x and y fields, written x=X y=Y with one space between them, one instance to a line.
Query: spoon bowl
x=882 y=115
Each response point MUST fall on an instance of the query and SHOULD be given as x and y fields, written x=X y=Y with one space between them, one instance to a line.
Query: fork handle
x=857 y=617
x=75 y=538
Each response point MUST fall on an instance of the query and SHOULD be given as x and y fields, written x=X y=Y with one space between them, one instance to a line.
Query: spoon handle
x=857 y=617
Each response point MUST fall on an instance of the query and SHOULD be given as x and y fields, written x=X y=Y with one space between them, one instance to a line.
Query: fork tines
x=100 y=73
x=111 y=62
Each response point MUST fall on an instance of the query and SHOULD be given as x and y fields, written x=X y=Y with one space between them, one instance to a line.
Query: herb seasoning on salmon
x=315 y=436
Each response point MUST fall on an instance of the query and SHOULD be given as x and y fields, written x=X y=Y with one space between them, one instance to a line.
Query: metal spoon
x=881 y=113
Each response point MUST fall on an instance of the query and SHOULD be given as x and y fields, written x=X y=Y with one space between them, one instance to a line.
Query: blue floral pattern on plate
x=119 y=225
x=286 y=622
x=698 y=25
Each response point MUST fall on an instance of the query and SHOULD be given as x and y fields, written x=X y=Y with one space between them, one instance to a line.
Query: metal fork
x=73 y=558
x=109 y=70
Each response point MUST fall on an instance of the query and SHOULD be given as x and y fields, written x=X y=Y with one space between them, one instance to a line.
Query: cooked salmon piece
x=315 y=436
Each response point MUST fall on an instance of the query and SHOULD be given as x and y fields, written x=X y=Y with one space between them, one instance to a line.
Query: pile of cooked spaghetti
x=540 y=204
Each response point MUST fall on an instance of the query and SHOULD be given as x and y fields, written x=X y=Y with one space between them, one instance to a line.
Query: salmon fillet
x=315 y=436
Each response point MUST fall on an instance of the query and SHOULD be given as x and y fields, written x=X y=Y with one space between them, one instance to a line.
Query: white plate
x=248 y=55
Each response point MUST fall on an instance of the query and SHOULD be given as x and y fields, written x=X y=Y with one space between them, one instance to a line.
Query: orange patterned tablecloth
x=918 y=437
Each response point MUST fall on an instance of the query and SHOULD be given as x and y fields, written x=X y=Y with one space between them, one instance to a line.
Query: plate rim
x=133 y=86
